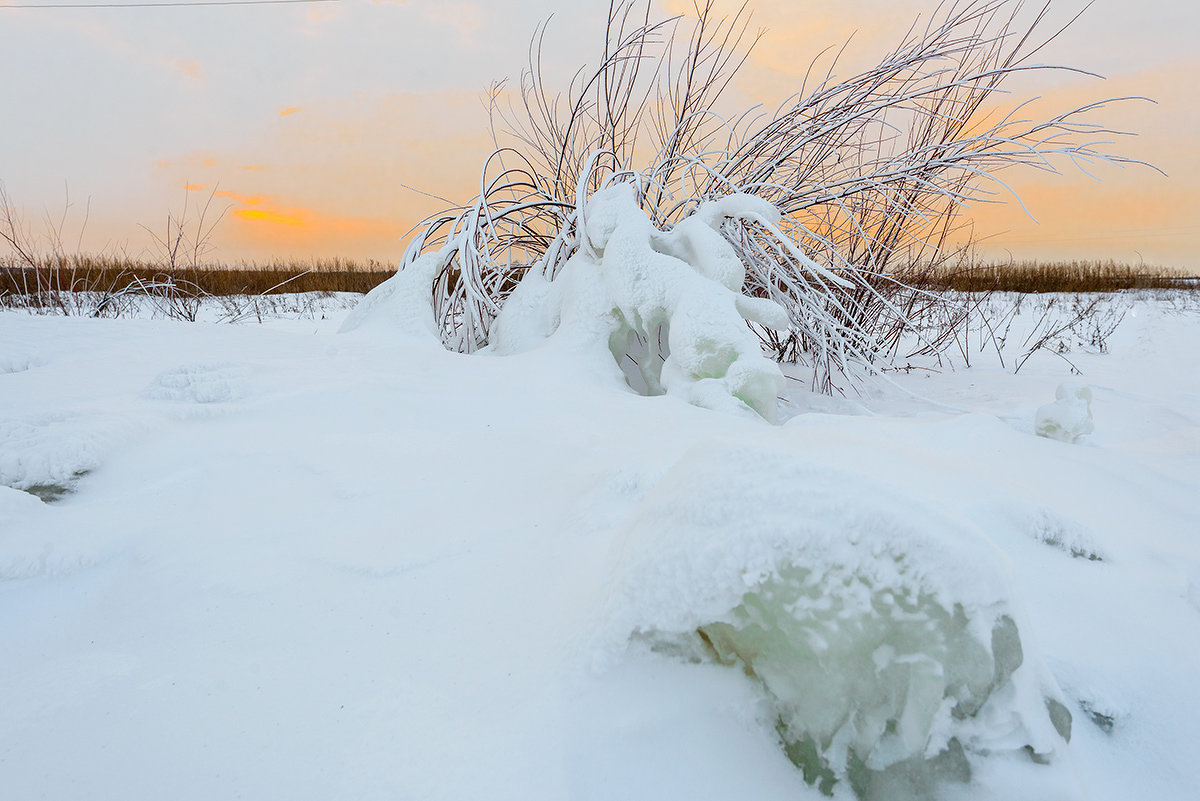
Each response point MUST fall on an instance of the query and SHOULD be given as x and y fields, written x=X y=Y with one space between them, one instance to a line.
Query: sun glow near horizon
x=321 y=157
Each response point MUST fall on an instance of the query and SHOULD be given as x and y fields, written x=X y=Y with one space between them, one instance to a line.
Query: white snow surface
x=277 y=561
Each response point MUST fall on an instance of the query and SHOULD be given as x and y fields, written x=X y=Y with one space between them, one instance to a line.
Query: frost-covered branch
x=866 y=175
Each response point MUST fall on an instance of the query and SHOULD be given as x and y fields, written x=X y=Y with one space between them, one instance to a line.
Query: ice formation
x=665 y=306
x=1069 y=417
x=882 y=635
x=671 y=300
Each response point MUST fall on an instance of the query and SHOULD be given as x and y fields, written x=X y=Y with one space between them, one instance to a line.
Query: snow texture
x=312 y=565
x=201 y=383
x=403 y=304
x=46 y=453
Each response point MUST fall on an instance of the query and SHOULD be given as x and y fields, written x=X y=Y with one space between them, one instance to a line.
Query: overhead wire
x=166 y=4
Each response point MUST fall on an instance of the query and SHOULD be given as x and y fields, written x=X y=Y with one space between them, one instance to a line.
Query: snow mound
x=1069 y=417
x=403 y=304
x=665 y=305
x=201 y=383
x=47 y=454
x=18 y=363
x=1104 y=704
x=883 y=635
x=1193 y=591
x=15 y=504
x=1066 y=535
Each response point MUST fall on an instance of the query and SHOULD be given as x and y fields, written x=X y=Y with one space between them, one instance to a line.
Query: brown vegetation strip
x=110 y=275
x=1066 y=276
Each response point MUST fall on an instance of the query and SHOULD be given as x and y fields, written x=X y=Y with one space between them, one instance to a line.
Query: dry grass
x=40 y=271
x=1057 y=276
x=45 y=284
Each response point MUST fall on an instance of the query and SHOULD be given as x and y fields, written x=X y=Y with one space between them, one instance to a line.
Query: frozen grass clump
x=46 y=455
x=667 y=303
x=1069 y=417
x=859 y=180
x=883 y=637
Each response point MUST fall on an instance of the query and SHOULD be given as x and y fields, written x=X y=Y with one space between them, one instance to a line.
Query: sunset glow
x=320 y=154
x=271 y=217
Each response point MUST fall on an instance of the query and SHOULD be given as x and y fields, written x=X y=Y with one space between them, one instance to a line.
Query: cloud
x=332 y=181
x=283 y=232
x=270 y=217
x=464 y=18
x=1131 y=210
x=284 y=112
x=188 y=67
x=249 y=200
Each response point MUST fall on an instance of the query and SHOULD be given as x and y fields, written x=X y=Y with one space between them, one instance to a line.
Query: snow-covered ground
x=278 y=562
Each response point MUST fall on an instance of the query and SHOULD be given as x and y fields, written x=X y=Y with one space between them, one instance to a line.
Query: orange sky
x=304 y=125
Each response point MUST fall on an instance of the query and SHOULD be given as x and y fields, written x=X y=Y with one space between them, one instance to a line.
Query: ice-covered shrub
x=884 y=637
x=864 y=174
x=1069 y=417
x=675 y=295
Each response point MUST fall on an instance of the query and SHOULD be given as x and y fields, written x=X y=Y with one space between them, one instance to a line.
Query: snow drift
x=884 y=636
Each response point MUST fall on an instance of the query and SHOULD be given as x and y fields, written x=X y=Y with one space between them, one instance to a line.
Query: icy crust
x=882 y=635
x=671 y=300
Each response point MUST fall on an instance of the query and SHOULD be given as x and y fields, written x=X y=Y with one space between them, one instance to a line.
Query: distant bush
x=46 y=285
x=1056 y=276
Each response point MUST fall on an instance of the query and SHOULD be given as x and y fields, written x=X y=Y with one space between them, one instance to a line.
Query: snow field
x=291 y=563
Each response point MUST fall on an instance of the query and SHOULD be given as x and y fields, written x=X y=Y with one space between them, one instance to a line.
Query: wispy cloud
x=189 y=67
x=463 y=18
x=270 y=217
x=249 y=200
x=284 y=112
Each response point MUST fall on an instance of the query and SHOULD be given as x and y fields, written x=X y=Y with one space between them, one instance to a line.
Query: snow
x=1069 y=417
x=287 y=562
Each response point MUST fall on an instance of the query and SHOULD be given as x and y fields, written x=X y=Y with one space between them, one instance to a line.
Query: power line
x=180 y=4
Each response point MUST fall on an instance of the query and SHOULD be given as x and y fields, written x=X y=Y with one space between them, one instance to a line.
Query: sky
x=311 y=130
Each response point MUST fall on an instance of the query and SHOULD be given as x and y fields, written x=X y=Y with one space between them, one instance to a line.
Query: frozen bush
x=883 y=636
x=1069 y=417
x=863 y=177
x=671 y=297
